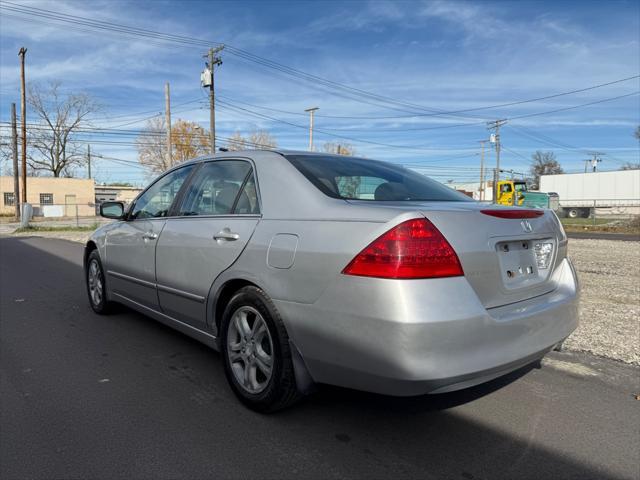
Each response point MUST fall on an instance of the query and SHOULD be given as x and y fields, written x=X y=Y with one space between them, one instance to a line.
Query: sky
x=413 y=78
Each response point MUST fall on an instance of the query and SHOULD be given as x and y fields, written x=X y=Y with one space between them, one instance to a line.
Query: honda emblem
x=526 y=226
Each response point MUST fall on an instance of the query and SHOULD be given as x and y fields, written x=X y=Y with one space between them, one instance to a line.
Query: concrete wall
x=67 y=193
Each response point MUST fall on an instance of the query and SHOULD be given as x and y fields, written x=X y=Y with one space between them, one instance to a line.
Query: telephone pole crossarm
x=595 y=160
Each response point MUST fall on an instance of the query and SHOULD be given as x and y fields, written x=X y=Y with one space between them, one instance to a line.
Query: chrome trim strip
x=229 y=216
x=131 y=279
x=181 y=293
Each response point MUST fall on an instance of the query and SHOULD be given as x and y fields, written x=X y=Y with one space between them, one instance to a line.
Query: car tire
x=256 y=353
x=96 y=285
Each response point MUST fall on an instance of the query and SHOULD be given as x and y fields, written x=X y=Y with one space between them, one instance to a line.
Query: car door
x=131 y=245
x=216 y=218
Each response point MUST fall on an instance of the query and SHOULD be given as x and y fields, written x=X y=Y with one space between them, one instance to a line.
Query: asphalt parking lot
x=122 y=396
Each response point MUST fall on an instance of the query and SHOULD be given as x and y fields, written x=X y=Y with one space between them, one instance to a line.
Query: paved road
x=85 y=396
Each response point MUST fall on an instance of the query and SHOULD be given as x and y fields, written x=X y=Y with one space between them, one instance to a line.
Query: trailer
x=580 y=194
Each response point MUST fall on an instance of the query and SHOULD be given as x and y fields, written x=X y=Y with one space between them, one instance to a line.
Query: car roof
x=253 y=153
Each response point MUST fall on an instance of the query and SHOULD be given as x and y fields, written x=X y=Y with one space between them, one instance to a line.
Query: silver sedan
x=304 y=268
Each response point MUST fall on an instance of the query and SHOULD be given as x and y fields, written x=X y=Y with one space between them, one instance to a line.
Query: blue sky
x=441 y=55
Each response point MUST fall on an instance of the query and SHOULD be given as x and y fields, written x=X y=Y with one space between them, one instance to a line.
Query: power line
x=324 y=132
x=328 y=130
x=521 y=131
x=486 y=107
x=359 y=94
x=575 y=106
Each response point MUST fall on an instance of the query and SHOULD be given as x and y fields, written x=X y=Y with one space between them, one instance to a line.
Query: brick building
x=52 y=197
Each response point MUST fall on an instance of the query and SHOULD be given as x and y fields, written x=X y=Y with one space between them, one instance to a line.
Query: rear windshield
x=352 y=178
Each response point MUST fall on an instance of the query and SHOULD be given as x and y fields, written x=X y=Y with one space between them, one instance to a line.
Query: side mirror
x=114 y=210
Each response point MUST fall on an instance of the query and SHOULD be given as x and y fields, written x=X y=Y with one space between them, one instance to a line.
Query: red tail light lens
x=412 y=249
x=513 y=213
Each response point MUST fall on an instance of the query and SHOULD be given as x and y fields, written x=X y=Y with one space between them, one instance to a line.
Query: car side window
x=156 y=201
x=223 y=187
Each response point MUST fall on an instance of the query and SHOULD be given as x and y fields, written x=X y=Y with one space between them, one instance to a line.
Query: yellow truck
x=516 y=193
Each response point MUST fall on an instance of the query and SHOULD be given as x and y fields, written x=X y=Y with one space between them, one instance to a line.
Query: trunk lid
x=502 y=258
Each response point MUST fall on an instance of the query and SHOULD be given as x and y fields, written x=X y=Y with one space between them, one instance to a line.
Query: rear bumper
x=412 y=337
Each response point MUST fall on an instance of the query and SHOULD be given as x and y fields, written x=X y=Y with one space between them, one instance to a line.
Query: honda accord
x=304 y=268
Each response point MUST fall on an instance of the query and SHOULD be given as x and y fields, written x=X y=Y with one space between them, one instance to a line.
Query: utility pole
x=311 y=112
x=14 y=146
x=23 y=115
x=167 y=121
x=594 y=161
x=89 y=161
x=481 y=193
x=207 y=80
x=495 y=139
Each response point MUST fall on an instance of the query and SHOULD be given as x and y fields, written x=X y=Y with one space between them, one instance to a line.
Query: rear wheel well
x=89 y=247
x=226 y=292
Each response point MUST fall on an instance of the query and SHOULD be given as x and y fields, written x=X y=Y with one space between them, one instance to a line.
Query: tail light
x=412 y=249
x=513 y=213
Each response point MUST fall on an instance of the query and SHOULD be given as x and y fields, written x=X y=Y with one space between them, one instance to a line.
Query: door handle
x=149 y=236
x=226 y=235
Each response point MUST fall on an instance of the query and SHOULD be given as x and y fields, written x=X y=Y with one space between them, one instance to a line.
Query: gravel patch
x=609 y=275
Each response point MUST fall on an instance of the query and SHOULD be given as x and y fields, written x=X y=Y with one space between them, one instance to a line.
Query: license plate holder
x=518 y=263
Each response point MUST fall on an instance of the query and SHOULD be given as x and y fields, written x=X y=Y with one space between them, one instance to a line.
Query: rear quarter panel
x=323 y=249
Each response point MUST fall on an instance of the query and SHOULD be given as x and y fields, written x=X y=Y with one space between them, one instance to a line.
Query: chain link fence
x=68 y=214
x=605 y=212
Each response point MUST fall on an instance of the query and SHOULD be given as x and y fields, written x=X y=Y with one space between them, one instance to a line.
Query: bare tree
x=151 y=146
x=6 y=158
x=339 y=148
x=257 y=139
x=543 y=163
x=237 y=142
x=630 y=166
x=188 y=140
x=54 y=146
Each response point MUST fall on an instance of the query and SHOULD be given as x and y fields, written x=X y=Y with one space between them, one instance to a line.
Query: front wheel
x=256 y=352
x=96 y=286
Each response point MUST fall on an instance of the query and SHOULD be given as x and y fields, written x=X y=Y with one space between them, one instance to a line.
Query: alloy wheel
x=250 y=349
x=94 y=278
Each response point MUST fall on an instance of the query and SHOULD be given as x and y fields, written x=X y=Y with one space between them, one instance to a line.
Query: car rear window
x=351 y=178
